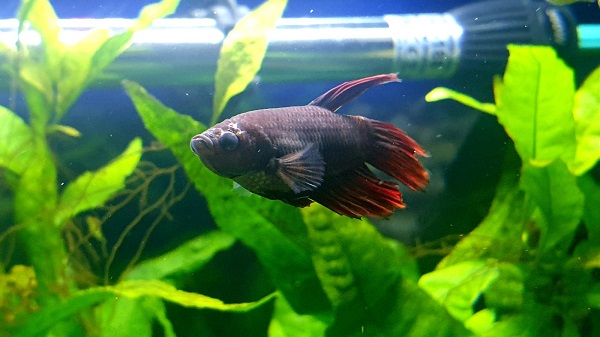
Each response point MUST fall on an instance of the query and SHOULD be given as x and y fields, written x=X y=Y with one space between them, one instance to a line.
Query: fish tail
x=394 y=153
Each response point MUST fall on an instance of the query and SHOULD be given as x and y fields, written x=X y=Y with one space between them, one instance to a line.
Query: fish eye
x=228 y=141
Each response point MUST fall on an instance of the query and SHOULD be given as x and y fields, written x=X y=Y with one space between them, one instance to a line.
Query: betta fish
x=301 y=154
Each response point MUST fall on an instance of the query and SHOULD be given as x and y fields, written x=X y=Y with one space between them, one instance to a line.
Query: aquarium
x=300 y=168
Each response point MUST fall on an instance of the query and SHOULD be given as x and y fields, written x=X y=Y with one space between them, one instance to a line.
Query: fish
x=310 y=153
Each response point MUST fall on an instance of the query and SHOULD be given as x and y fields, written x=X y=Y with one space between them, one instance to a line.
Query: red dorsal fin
x=347 y=91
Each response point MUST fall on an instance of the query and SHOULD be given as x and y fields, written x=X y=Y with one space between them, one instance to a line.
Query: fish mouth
x=201 y=144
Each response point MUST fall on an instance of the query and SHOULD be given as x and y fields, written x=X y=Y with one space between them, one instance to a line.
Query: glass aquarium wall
x=423 y=168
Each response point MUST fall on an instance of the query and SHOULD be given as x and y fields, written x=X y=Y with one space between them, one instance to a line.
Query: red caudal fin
x=359 y=193
x=347 y=91
x=394 y=153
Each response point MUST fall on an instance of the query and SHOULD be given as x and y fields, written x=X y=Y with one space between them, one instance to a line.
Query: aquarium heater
x=184 y=51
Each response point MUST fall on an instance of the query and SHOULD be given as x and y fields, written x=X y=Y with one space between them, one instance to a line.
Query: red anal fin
x=359 y=193
x=394 y=153
x=347 y=91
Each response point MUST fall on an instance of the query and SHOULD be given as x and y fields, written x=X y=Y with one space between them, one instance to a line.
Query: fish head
x=230 y=149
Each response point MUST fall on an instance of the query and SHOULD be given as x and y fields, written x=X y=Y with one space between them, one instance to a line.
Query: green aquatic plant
x=522 y=271
x=534 y=258
x=46 y=297
x=528 y=269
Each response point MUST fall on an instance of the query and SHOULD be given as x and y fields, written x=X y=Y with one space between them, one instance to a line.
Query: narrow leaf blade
x=242 y=53
x=92 y=189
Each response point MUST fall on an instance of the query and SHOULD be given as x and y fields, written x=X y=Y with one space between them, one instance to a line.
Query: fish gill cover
x=528 y=269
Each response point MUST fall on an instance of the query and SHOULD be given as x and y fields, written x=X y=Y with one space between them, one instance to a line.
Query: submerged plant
x=522 y=271
x=528 y=269
x=46 y=297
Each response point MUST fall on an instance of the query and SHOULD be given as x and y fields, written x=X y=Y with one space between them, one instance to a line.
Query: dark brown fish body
x=309 y=153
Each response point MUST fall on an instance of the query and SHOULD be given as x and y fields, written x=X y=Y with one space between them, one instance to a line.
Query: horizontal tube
x=185 y=51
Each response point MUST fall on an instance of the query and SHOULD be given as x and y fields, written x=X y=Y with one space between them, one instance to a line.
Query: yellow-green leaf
x=64 y=129
x=536 y=105
x=183 y=260
x=560 y=201
x=442 y=93
x=160 y=289
x=92 y=189
x=16 y=142
x=587 y=124
x=242 y=53
x=41 y=321
x=458 y=286
x=153 y=12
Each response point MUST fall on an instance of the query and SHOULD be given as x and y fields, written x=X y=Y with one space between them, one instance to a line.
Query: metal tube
x=185 y=51
x=469 y=38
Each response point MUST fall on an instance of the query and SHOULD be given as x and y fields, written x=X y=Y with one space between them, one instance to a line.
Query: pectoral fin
x=303 y=170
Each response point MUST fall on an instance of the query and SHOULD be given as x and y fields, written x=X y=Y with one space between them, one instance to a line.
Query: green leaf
x=183 y=260
x=165 y=291
x=457 y=287
x=533 y=321
x=42 y=17
x=271 y=228
x=154 y=11
x=413 y=314
x=92 y=189
x=591 y=211
x=16 y=142
x=481 y=321
x=54 y=84
x=442 y=93
x=242 y=53
x=36 y=193
x=499 y=235
x=370 y=280
x=555 y=192
x=536 y=105
x=587 y=122
x=287 y=323
x=123 y=316
x=47 y=317
x=115 y=45
x=43 y=320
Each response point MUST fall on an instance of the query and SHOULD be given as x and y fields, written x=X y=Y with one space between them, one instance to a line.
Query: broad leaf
x=242 y=53
x=587 y=121
x=499 y=235
x=92 y=189
x=38 y=323
x=183 y=260
x=287 y=323
x=370 y=281
x=41 y=321
x=53 y=85
x=16 y=142
x=554 y=190
x=536 y=105
x=591 y=211
x=259 y=223
x=457 y=287
x=124 y=316
x=36 y=193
